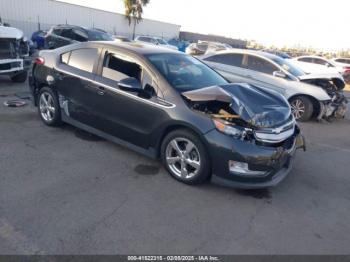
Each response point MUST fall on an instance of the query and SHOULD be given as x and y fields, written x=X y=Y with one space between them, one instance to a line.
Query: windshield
x=99 y=36
x=161 y=41
x=289 y=67
x=184 y=72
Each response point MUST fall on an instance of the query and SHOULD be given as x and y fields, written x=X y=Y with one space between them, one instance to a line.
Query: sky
x=322 y=24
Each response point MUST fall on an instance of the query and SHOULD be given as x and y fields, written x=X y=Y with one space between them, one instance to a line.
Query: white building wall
x=25 y=15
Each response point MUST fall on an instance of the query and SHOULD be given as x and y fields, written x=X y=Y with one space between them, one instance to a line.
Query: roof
x=247 y=51
x=137 y=47
x=79 y=27
x=312 y=56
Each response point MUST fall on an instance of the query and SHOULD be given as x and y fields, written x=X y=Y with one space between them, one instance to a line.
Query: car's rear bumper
x=274 y=162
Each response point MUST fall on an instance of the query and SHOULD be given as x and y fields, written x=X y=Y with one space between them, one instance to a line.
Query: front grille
x=275 y=135
x=7 y=49
x=8 y=66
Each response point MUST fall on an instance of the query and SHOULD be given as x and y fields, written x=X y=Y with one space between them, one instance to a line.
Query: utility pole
x=38 y=23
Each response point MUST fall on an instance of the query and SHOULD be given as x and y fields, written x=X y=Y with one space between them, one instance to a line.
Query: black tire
x=204 y=170
x=306 y=104
x=55 y=117
x=20 y=77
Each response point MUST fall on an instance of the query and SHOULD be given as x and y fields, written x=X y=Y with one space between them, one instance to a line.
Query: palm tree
x=134 y=11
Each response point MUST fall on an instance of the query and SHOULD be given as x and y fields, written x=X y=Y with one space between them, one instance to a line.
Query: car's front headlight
x=234 y=131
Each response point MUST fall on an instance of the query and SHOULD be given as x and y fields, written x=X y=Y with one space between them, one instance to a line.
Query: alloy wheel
x=47 y=106
x=298 y=108
x=183 y=158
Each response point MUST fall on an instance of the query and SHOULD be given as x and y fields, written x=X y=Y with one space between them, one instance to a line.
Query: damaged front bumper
x=11 y=66
x=337 y=107
x=268 y=165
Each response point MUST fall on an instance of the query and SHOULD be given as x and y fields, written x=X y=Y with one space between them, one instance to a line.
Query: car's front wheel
x=48 y=107
x=185 y=157
x=302 y=108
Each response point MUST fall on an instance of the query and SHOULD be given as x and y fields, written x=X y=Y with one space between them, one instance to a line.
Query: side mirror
x=279 y=74
x=130 y=84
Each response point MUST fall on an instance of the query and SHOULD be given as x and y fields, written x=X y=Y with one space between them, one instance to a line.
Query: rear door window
x=145 y=39
x=79 y=35
x=227 y=59
x=319 y=61
x=57 y=31
x=82 y=59
x=67 y=33
x=306 y=59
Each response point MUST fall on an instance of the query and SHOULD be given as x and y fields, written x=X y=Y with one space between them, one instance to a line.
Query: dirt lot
x=63 y=192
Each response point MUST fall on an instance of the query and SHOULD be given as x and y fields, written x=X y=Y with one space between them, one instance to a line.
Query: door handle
x=101 y=90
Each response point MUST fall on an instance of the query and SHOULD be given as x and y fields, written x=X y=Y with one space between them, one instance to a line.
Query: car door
x=259 y=71
x=128 y=115
x=74 y=80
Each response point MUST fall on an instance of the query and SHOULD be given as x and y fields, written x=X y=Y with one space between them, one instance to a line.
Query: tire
x=302 y=108
x=20 y=77
x=191 y=167
x=49 y=111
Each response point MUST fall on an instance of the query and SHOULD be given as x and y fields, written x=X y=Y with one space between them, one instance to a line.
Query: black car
x=171 y=106
x=62 y=35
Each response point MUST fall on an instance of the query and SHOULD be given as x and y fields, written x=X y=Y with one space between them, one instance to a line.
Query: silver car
x=309 y=95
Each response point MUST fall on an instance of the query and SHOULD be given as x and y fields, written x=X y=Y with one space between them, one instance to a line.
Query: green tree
x=134 y=11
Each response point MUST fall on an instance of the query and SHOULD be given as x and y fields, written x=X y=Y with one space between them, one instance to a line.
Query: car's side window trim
x=160 y=101
x=94 y=67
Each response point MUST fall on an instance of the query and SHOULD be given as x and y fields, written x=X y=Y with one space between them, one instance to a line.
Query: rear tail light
x=40 y=61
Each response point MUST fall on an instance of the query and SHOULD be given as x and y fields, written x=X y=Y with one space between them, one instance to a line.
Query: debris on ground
x=15 y=103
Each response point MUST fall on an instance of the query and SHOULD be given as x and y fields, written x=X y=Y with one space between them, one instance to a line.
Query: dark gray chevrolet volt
x=169 y=105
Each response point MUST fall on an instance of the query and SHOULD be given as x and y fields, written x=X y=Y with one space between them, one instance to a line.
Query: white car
x=309 y=94
x=14 y=54
x=345 y=63
x=155 y=41
x=317 y=64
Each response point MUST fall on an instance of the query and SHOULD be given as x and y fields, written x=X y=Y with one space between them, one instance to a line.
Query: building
x=29 y=15
x=195 y=37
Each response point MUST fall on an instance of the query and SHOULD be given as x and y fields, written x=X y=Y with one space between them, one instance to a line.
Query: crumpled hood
x=257 y=106
x=329 y=76
x=336 y=78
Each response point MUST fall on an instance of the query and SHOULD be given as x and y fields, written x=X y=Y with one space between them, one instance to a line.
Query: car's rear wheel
x=302 y=108
x=20 y=77
x=48 y=107
x=185 y=157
